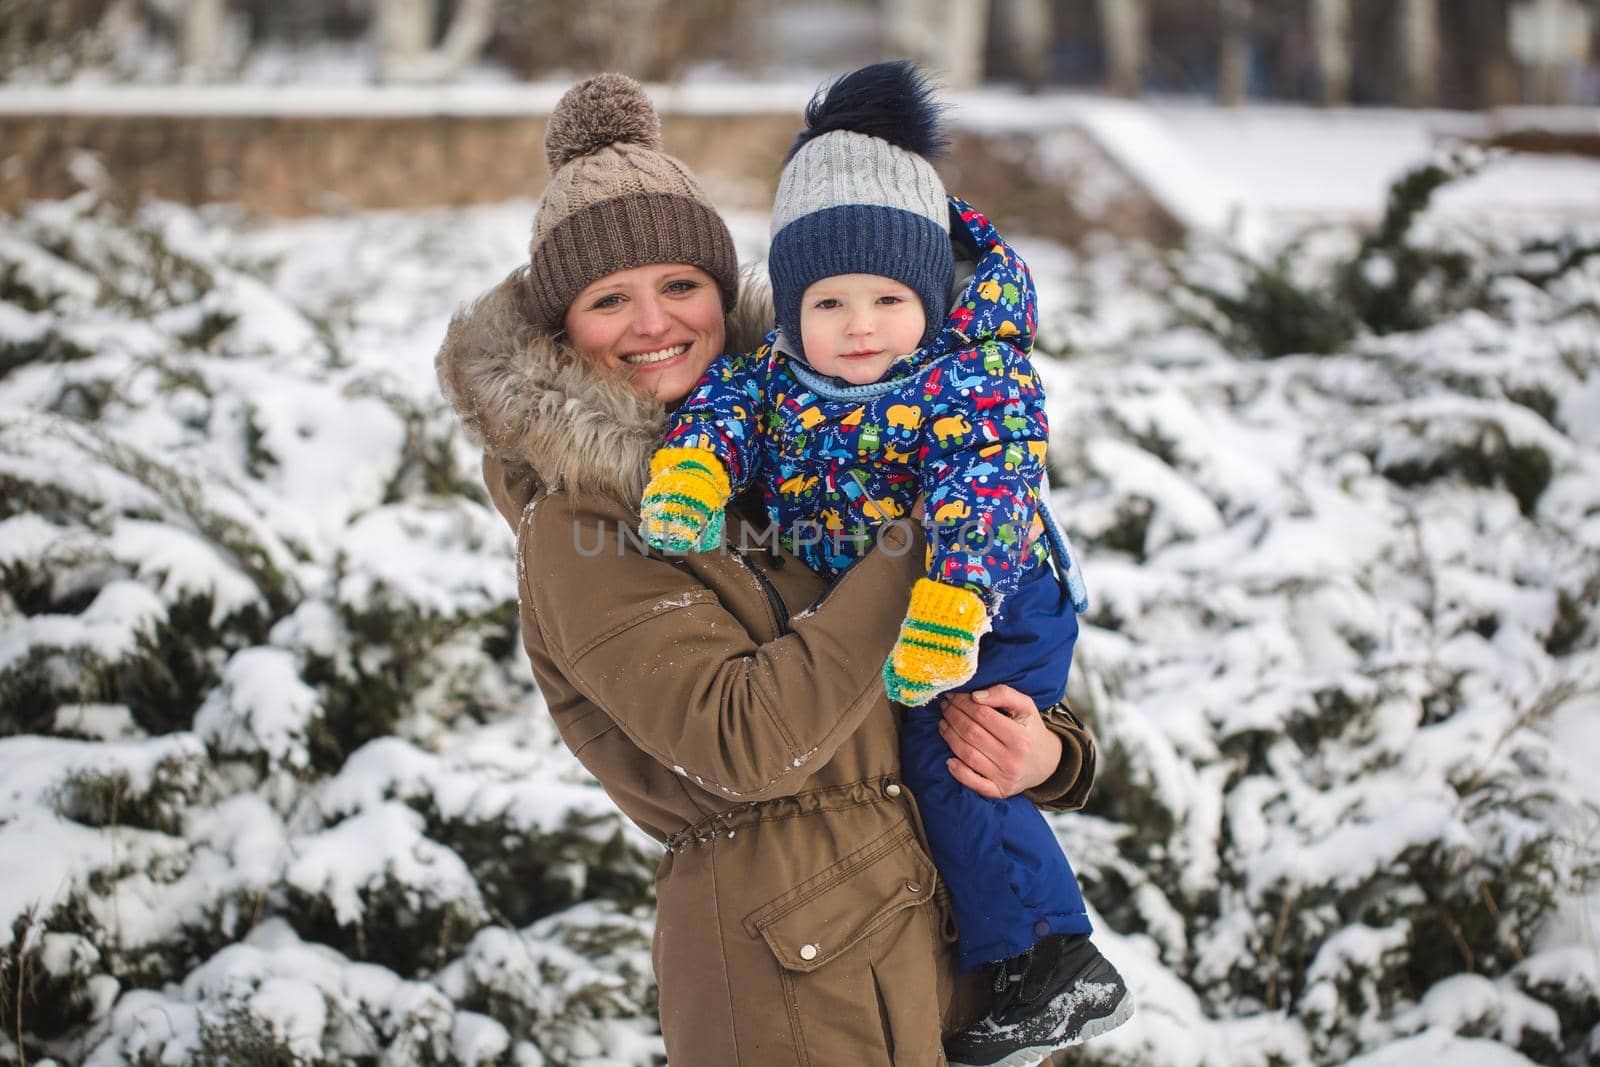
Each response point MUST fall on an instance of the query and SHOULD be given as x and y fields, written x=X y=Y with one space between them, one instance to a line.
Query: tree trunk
x=405 y=33
x=118 y=22
x=470 y=29
x=1487 y=33
x=202 y=35
x=966 y=25
x=405 y=39
x=1233 y=67
x=947 y=35
x=908 y=28
x=1331 y=27
x=1122 y=22
x=1026 y=28
x=1419 y=47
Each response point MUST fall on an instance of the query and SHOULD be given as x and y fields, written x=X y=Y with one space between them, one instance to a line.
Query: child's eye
x=826 y=304
x=891 y=300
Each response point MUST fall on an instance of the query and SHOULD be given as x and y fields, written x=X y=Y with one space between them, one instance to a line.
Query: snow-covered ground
x=1264 y=167
x=274 y=777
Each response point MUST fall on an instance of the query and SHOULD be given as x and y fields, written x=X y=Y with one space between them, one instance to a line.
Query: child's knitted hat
x=858 y=195
x=616 y=201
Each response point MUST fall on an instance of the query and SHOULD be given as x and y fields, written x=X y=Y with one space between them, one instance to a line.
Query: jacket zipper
x=779 y=612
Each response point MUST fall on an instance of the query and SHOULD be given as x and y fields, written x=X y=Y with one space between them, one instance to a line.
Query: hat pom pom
x=606 y=109
x=890 y=100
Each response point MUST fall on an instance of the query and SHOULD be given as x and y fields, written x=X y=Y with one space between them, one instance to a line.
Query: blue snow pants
x=1009 y=882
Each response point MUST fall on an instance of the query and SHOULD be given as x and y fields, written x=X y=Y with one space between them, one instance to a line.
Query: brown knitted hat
x=616 y=201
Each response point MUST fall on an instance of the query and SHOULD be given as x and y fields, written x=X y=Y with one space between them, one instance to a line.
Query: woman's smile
x=655 y=357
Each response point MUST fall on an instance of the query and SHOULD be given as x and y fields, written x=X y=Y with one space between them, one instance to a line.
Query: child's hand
x=938 y=645
x=682 y=506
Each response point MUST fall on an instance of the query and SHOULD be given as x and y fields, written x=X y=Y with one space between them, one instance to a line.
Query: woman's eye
x=682 y=285
x=605 y=302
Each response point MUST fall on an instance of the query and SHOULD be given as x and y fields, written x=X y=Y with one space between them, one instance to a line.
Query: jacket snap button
x=808 y=952
x=913 y=887
x=891 y=790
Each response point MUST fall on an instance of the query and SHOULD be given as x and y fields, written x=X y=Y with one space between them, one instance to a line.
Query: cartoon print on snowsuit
x=962 y=421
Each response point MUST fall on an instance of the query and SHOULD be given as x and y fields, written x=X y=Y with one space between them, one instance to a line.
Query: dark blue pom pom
x=890 y=100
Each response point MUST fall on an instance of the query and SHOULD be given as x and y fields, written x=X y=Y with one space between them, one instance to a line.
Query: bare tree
x=405 y=39
x=199 y=25
x=202 y=35
x=1494 y=68
x=1026 y=28
x=1125 y=26
x=948 y=35
x=1233 y=69
x=1419 y=50
x=1330 y=22
x=118 y=22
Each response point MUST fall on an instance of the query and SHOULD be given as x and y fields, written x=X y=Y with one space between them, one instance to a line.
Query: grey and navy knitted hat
x=616 y=201
x=858 y=195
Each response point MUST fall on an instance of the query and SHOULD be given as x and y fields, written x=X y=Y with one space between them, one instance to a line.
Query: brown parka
x=733 y=712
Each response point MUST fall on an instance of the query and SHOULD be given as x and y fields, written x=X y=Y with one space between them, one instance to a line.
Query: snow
x=364 y=852
x=101 y=722
x=463 y=786
x=1241 y=170
x=108 y=629
x=188 y=566
x=261 y=706
x=435 y=560
x=1441 y=1048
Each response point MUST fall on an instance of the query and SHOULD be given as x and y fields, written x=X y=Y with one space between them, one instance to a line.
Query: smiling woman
x=728 y=709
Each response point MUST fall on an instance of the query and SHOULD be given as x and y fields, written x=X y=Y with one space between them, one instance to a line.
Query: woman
x=726 y=710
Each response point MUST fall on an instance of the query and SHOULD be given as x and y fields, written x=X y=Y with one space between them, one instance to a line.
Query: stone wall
x=1055 y=182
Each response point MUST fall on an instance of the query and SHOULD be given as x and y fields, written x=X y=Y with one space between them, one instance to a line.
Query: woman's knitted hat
x=616 y=201
x=858 y=195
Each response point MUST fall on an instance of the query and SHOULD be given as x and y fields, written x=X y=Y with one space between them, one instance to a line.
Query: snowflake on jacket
x=962 y=421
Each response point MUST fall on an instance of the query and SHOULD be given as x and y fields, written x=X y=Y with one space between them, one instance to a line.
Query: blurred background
x=276 y=104
x=1462 y=54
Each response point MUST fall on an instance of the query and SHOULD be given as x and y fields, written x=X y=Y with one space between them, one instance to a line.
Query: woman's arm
x=650 y=643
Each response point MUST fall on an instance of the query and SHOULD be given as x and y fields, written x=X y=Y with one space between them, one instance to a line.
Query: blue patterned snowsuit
x=963 y=422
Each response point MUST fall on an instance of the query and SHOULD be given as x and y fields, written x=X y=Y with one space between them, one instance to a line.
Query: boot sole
x=1037 y=1054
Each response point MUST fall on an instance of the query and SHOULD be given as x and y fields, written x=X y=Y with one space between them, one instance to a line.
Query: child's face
x=854 y=326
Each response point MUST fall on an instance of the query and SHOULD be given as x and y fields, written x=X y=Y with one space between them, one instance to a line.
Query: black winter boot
x=1058 y=993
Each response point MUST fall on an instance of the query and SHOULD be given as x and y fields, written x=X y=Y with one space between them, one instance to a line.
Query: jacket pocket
x=825 y=915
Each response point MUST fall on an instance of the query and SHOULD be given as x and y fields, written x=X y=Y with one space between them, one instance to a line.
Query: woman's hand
x=1001 y=744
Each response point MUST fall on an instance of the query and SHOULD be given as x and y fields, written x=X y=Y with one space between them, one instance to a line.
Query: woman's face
x=661 y=325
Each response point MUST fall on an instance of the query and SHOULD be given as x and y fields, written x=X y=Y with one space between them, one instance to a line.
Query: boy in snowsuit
x=874 y=391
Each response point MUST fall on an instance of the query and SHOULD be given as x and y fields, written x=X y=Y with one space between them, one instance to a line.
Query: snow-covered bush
x=276 y=786
x=1345 y=663
x=1316 y=292
x=271 y=761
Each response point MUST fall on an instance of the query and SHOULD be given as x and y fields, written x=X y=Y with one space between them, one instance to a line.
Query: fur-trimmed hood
x=527 y=397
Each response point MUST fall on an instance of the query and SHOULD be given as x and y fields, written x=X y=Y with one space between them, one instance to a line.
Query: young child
x=874 y=391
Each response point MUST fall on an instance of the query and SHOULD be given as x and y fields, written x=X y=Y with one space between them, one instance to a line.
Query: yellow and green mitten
x=682 y=506
x=938 y=645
